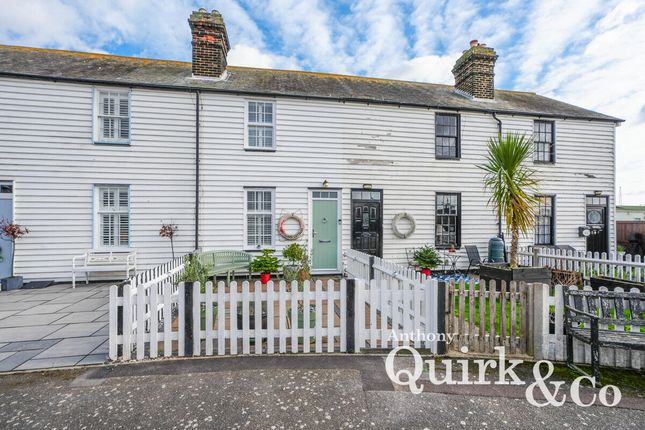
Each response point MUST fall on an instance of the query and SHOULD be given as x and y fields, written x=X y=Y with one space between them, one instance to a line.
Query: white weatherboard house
x=98 y=150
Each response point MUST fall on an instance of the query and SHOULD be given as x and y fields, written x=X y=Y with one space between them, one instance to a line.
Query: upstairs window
x=260 y=125
x=448 y=220
x=544 y=140
x=113 y=216
x=544 y=222
x=112 y=123
x=446 y=131
x=259 y=217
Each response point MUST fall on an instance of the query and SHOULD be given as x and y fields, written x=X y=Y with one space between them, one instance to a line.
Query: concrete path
x=55 y=326
x=276 y=392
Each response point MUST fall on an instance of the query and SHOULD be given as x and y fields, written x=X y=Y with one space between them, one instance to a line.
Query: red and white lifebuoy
x=282 y=231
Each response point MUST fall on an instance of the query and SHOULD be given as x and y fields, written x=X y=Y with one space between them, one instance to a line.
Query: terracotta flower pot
x=426 y=271
x=265 y=277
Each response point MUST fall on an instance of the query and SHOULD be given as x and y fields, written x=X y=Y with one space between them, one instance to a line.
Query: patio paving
x=55 y=326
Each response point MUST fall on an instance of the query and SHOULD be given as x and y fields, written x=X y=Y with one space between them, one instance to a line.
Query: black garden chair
x=474 y=260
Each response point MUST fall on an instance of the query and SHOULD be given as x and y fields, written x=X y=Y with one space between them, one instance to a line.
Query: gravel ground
x=269 y=393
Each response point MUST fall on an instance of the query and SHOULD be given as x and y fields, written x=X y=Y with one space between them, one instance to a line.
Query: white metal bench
x=104 y=261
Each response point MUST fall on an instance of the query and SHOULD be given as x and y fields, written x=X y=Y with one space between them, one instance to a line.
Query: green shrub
x=427 y=257
x=194 y=271
x=265 y=263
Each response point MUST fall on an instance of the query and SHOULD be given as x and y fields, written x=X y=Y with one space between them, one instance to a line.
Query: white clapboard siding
x=47 y=150
x=46 y=135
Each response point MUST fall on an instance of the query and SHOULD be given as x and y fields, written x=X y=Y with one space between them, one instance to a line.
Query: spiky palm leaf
x=512 y=183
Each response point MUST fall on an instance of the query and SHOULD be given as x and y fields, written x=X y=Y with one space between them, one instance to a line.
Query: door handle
x=324 y=241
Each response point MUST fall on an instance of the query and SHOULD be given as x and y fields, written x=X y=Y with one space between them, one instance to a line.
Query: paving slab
x=93 y=359
x=78 y=330
x=29 y=345
x=72 y=297
x=4 y=355
x=4 y=314
x=16 y=360
x=17 y=306
x=45 y=363
x=35 y=332
x=73 y=346
x=29 y=320
x=80 y=317
x=45 y=308
x=85 y=305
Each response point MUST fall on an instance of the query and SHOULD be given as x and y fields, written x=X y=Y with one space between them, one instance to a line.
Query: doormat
x=33 y=285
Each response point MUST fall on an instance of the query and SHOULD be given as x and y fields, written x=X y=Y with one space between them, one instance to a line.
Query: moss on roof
x=132 y=71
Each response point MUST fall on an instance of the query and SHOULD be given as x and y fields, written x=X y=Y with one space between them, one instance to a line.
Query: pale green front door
x=324 y=250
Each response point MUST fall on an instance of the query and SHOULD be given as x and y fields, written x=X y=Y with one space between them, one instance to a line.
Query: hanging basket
x=397 y=219
x=283 y=232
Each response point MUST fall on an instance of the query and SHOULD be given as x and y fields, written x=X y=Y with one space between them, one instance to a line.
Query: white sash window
x=113 y=216
x=112 y=123
x=260 y=125
x=259 y=217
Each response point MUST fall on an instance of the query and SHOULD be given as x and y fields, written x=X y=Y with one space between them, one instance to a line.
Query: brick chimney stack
x=474 y=71
x=210 y=43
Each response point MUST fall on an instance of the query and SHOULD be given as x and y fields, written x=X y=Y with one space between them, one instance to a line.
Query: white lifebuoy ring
x=283 y=232
x=397 y=218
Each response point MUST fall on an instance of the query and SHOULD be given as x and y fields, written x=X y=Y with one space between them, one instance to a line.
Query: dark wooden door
x=597 y=218
x=367 y=221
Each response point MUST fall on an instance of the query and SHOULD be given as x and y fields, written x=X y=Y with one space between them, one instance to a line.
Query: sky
x=585 y=52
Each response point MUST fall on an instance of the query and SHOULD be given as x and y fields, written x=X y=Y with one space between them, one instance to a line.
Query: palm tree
x=512 y=183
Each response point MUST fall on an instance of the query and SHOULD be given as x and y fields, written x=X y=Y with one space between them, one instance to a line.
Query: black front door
x=367 y=221
x=597 y=216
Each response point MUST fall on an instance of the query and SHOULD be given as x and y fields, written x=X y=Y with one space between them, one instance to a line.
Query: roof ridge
x=187 y=63
x=90 y=54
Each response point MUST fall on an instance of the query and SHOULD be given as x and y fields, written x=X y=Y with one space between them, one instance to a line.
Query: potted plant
x=169 y=231
x=513 y=186
x=298 y=263
x=265 y=263
x=427 y=258
x=12 y=231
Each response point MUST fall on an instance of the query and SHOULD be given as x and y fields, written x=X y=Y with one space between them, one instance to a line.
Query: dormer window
x=260 y=125
x=112 y=122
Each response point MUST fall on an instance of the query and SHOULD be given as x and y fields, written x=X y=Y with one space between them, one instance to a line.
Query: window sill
x=112 y=142
x=546 y=163
x=256 y=249
x=437 y=157
x=445 y=248
x=251 y=149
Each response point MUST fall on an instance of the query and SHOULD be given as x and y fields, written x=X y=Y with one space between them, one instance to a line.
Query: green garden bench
x=221 y=262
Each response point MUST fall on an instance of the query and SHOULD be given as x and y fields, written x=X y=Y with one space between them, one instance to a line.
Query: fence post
x=349 y=313
x=188 y=316
x=371 y=269
x=540 y=321
x=536 y=253
x=441 y=317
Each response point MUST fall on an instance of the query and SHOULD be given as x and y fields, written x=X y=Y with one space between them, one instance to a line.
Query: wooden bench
x=104 y=261
x=589 y=316
x=220 y=262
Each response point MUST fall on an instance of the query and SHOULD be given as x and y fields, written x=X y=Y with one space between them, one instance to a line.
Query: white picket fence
x=399 y=302
x=394 y=312
x=149 y=299
x=619 y=265
x=554 y=344
x=297 y=318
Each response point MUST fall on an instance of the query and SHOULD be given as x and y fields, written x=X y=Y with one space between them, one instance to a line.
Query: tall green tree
x=513 y=184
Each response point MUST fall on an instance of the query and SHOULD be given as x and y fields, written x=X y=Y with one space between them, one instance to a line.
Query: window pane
x=447 y=220
x=544 y=221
